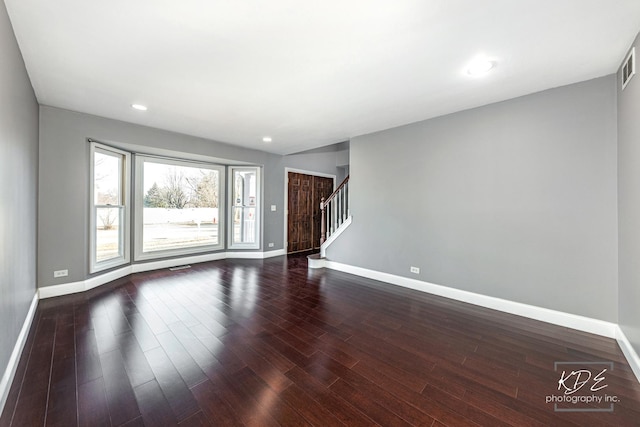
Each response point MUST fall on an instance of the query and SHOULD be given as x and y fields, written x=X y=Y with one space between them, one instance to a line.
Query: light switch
x=273 y=208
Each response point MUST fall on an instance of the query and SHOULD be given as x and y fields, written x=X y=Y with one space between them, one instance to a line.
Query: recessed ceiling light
x=480 y=66
x=139 y=107
x=267 y=139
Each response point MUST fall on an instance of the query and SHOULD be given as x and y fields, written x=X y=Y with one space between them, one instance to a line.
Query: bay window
x=178 y=207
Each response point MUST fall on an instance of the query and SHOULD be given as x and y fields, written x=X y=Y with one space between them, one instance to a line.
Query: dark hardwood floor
x=263 y=343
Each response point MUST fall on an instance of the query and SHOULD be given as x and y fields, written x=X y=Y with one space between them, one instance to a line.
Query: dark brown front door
x=305 y=193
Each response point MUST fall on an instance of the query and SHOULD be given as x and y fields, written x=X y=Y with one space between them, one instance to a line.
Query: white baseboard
x=255 y=255
x=12 y=366
x=629 y=352
x=316 y=262
x=63 y=289
x=99 y=280
x=84 y=285
x=272 y=254
x=95 y=281
x=582 y=323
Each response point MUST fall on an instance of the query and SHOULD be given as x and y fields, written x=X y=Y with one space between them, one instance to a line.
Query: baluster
x=339 y=216
x=344 y=203
x=323 y=222
x=334 y=216
x=346 y=196
x=328 y=208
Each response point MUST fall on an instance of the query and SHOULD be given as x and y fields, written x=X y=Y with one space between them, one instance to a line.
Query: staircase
x=335 y=219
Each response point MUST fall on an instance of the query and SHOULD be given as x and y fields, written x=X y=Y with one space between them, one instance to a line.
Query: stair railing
x=335 y=210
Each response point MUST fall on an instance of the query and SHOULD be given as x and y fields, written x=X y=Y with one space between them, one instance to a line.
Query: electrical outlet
x=271 y=244
x=60 y=273
x=415 y=270
x=273 y=208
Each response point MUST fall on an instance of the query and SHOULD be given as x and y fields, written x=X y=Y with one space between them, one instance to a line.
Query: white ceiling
x=308 y=73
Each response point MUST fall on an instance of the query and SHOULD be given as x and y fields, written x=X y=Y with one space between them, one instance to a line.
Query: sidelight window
x=245 y=208
x=109 y=211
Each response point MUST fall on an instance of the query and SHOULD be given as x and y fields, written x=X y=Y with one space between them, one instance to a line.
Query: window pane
x=180 y=206
x=109 y=213
x=245 y=189
x=244 y=225
x=108 y=232
x=106 y=180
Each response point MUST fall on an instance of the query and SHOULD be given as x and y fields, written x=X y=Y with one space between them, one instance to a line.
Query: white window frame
x=125 y=226
x=139 y=207
x=258 y=206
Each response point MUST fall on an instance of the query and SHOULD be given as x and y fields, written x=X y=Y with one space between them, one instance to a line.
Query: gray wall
x=332 y=159
x=629 y=206
x=64 y=181
x=18 y=190
x=515 y=200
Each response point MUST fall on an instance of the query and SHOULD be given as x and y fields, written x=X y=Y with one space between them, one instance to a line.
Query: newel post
x=323 y=222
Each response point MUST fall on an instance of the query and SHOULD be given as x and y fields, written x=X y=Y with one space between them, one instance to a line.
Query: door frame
x=285 y=206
